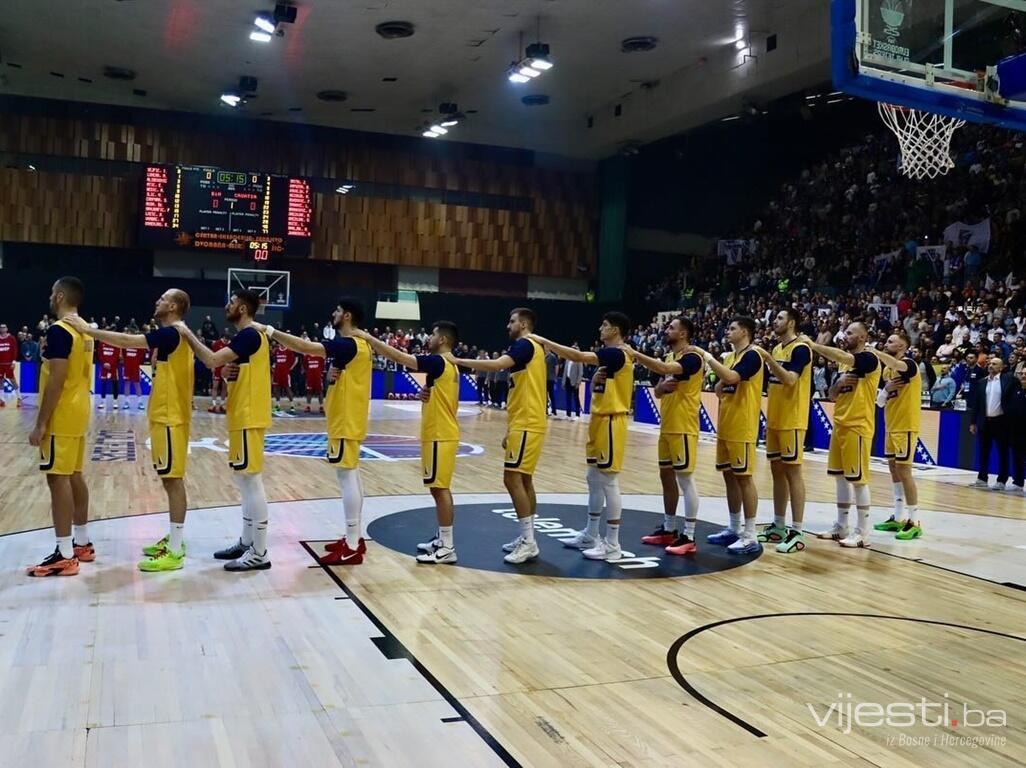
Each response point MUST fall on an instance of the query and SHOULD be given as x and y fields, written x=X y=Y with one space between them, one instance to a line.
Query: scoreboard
x=257 y=215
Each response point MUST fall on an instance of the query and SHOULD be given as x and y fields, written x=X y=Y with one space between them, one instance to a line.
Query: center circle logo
x=482 y=529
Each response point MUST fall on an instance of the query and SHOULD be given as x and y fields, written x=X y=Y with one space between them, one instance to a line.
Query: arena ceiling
x=711 y=58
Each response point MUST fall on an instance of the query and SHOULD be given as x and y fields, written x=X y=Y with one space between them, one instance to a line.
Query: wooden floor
x=456 y=666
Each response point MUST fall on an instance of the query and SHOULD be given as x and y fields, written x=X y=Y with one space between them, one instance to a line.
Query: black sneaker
x=235 y=551
x=660 y=537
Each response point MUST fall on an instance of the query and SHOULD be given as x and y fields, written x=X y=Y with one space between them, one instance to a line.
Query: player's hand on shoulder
x=540 y=339
x=76 y=322
x=763 y=353
x=359 y=333
x=260 y=327
x=450 y=357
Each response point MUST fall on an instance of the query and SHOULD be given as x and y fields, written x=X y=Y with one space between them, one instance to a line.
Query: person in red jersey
x=8 y=354
x=314 y=368
x=284 y=360
x=219 y=387
x=132 y=360
x=108 y=357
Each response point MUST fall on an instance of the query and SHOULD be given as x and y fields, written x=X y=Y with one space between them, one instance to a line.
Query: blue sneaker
x=723 y=538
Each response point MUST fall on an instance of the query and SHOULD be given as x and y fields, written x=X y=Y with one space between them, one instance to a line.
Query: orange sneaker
x=684 y=545
x=85 y=553
x=55 y=565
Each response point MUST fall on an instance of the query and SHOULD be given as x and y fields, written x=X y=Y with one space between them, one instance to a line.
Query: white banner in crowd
x=935 y=253
x=890 y=311
x=736 y=251
x=964 y=234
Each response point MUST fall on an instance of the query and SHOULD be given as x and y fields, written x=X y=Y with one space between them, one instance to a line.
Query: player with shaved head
x=854 y=396
x=170 y=415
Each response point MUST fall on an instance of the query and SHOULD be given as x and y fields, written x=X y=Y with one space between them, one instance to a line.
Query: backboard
x=962 y=58
x=273 y=285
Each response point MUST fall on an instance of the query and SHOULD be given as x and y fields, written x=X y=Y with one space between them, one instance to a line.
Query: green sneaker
x=910 y=531
x=794 y=541
x=153 y=550
x=165 y=561
x=771 y=534
x=890 y=525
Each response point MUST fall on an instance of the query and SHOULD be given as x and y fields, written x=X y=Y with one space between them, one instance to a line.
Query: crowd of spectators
x=843 y=241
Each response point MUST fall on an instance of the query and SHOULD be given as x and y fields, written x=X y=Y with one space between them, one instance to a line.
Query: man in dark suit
x=1017 y=431
x=989 y=405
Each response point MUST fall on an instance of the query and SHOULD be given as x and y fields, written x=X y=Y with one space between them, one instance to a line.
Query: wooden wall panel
x=557 y=235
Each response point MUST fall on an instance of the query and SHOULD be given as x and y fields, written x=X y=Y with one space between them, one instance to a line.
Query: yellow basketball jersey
x=347 y=403
x=903 y=409
x=528 y=399
x=855 y=407
x=174 y=372
x=249 y=396
x=618 y=392
x=788 y=407
x=742 y=402
x=71 y=418
x=679 y=409
x=438 y=415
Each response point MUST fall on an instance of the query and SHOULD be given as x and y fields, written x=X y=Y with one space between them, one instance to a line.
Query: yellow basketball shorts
x=246 y=450
x=849 y=456
x=523 y=449
x=607 y=441
x=786 y=445
x=169 y=448
x=61 y=455
x=343 y=453
x=901 y=446
x=678 y=452
x=438 y=460
x=734 y=457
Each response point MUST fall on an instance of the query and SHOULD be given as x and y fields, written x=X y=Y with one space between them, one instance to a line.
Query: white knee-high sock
x=242 y=484
x=686 y=483
x=899 y=502
x=614 y=506
x=596 y=501
x=352 y=502
x=254 y=509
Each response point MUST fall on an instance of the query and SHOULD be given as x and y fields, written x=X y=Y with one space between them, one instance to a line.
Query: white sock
x=65 y=546
x=445 y=534
x=260 y=514
x=614 y=503
x=863 y=520
x=899 y=503
x=750 y=528
x=81 y=537
x=352 y=502
x=735 y=522
x=613 y=533
x=779 y=521
x=842 y=517
x=596 y=501
x=527 y=528
x=913 y=513
x=247 y=518
x=175 y=537
x=669 y=522
x=686 y=483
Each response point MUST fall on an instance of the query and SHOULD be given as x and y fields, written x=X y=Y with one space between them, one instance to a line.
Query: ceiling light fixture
x=266 y=22
x=231 y=99
x=535 y=61
x=450 y=122
x=438 y=129
x=260 y=37
x=430 y=134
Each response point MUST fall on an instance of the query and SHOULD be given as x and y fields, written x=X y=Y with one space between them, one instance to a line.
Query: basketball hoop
x=924 y=138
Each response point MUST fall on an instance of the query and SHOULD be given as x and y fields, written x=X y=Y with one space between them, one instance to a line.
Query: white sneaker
x=977 y=483
x=124 y=406
x=581 y=540
x=997 y=487
x=439 y=555
x=603 y=550
x=142 y=406
x=525 y=550
x=509 y=546
x=855 y=541
x=836 y=532
x=745 y=545
x=430 y=546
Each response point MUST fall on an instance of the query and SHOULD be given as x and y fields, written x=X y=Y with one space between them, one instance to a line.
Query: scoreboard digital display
x=257 y=215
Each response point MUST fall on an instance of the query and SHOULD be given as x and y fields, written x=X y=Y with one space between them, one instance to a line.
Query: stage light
x=449 y=123
x=231 y=99
x=538 y=57
x=430 y=134
x=265 y=22
x=515 y=76
x=438 y=129
x=259 y=37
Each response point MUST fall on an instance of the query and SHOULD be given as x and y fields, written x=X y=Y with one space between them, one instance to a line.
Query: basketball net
x=924 y=138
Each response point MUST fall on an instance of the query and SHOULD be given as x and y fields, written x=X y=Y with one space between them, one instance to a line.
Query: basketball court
x=904 y=653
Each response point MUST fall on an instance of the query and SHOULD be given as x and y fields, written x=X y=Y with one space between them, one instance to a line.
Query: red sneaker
x=85 y=552
x=338 y=546
x=55 y=565
x=682 y=546
x=322 y=409
x=308 y=409
x=344 y=555
x=660 y=537
x=212 y=409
